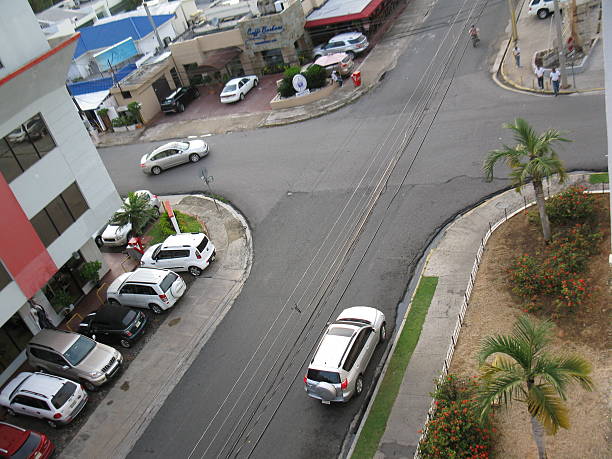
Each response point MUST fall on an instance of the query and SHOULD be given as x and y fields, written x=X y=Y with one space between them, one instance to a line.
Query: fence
x=468 y=292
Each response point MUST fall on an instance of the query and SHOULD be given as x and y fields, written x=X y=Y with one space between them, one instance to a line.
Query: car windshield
x=129 y=317
x=79 y=350
x=168 y=281
x=324 y=376
x=182 y=145
x=28 y=447
x=63 y=394
x=229 y=88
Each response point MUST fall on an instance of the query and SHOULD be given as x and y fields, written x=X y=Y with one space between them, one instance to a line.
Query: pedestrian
x=336 y=78
x=40 y=315
x=539 y=71
x=517 y=55
x=554 y=78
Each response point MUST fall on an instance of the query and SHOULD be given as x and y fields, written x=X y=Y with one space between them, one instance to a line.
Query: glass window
x=168 y=281
x=75 y=200
x=202 y=245
x=5 y=277
x=23 y=149
x=39 y=135
x=14 y=336
x=44 y=227
x=323 y=376
x=9 y=166
x=60 y=216
x=63 y=394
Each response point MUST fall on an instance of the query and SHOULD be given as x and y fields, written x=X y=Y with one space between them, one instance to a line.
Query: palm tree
x=533 y=158
x=136 y=209
x=523 y=371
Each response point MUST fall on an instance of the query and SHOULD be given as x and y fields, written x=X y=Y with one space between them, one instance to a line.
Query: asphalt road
x=342 y=207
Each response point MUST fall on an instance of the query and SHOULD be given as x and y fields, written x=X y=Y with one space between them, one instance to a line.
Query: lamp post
x=512 y=11
x=560 y=47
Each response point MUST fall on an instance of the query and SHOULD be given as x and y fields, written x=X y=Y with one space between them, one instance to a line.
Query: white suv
x=350 y=43
x=336 y=371
x=191 y=252
x=543 y=8
x=155 y=289
x=56 y=399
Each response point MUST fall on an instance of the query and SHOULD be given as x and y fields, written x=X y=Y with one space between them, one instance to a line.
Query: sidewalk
x=116 y=424
x=536 y=35
x=452 y=260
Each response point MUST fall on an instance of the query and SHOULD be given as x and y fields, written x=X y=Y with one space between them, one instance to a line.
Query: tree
x=523 y=371
x=533 y=158
x=137 y=210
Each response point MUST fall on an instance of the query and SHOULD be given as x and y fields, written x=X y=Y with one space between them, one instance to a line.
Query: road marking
x=205 y=135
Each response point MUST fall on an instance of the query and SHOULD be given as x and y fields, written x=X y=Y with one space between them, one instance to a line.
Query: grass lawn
x=376 y=422
x=163 y=227
x=599 y=178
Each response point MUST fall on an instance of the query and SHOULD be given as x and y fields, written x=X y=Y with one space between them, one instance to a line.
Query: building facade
x=54 y=190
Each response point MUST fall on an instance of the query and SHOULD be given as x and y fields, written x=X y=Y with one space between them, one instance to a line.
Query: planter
x=131 y=127
x=279 y=102
x=120 y=129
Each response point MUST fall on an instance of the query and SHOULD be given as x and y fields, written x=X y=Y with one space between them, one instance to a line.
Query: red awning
x=363 y=14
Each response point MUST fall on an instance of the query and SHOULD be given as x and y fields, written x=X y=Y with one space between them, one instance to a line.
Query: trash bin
x=356 y=76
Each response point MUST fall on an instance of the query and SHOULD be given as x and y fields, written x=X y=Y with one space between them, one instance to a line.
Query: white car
x=335 y=373
x=350 y=43
x=543 y=8
x=117 y=236
x=172 y=154
x=237 y=88
x=191 y=252
x=53 y=398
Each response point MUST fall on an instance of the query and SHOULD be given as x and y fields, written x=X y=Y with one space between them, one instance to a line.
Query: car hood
x=97 y=358
x=197 y=145
x=12 y=385
x=114 y=230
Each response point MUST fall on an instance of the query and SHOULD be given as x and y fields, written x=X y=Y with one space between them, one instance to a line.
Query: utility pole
x=159 y=42
x=512 y=11
x=560 y=47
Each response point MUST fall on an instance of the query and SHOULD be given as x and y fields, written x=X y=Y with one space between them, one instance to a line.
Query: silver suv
x=350 y=43
x=155 y=289
x=336 y=371
x=191 y=252
x=74 y=356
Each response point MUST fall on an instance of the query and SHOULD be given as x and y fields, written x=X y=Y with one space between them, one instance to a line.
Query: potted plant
x=134 y=109
x=119 y=124
x=61 y=300
x=103 y=114
x=90 y=271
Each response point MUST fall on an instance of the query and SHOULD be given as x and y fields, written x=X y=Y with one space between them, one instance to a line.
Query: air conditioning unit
x=279 y=6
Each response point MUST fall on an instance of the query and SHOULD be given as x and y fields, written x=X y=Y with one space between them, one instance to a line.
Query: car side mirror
x=65 y=367
x=93 y=337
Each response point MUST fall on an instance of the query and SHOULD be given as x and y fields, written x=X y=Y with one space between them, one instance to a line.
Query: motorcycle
x=475 y=40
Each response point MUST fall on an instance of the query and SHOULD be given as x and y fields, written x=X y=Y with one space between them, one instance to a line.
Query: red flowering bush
x=572 y=205
x=455 y=431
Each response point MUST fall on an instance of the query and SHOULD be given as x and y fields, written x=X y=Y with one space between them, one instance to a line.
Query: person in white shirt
x=554 y=78
x=517 y=55
x=539 y=71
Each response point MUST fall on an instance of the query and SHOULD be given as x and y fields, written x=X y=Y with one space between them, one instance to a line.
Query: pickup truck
x=177 y=101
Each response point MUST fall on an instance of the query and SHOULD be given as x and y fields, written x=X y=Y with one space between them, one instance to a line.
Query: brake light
x=128 y=333
x=344 y=384
x=198 y=256
x=57 y=416
x=305 y=378
x=164 y=298
x=142 y=165
x=154 y=196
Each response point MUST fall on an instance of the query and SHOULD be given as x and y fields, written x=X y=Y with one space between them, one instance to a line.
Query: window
x=168 y=281
x=63 y=394
x=356 y=349
x=129 y=289
x=323 y=376
x=24 y=146
x=5 y=277
x=59 y=214
x=47 y=356
x=14 y=336
x=175 y=77
x=126 y=94
x=145 y=290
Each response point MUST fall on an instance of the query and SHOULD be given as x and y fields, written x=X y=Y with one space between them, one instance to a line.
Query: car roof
x=333 y=346
x=330 y=59
x=11 y=438
x=60 y=340
x=41 y=383
x=346 y=36
x=234 y=81
x=111 y=313
x=166 y=146
x=147 y=275
x=182 y=240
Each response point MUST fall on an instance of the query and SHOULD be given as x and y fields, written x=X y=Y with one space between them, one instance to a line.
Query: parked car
x=34 y=127
x=191 y=252
x=543 y=8
x=18 y=443
x=350 y=42
x=152 y=288
x=172 y=154
x=117 y=236
x=336 y=370
x=74 y=356
x=341 y=62
x=97 y=236
x=237 y=88
x=112 y=324
x=179 y=99
x=53 y=398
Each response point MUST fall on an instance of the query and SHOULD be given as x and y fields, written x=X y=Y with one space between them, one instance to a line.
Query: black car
x=113 y=324
x=177 y=101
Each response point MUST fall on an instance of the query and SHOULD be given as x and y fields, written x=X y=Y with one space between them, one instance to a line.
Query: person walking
x=517 y=55
x=539 y=71
x=336 y=78
x=554 y=78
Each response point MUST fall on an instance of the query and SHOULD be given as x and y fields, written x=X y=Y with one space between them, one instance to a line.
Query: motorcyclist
x=474 y=31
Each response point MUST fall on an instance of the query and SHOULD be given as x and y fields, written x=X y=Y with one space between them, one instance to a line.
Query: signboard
x=116 y=54
x=264 y=34
x=299 y=83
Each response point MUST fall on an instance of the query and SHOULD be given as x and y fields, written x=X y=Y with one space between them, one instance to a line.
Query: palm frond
x=507 y=154
x=547 y=407
x=560 y=371
x=504 y=345
x=536 y=333
x=500 y=385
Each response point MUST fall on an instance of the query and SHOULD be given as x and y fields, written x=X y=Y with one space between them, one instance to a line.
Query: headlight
x=96 y=374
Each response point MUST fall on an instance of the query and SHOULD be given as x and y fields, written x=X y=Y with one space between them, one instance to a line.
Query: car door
x=101 y=331
x=334 y=47
x=164 y=259
x=30 y=406
x=53 y=362
x=128 y=295
x=248 y=84
x=179 y=260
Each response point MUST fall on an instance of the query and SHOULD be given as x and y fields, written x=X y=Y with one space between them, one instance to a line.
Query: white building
x=54 y=190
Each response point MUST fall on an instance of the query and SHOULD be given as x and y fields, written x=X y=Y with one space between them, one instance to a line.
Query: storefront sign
x=260 y=35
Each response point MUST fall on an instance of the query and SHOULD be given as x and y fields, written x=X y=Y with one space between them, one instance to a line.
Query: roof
x=108 y=34
x=156 y=10
x=334 y=11
x=178 y=240
x=42 y=383
x=92 y=100
x=333 y=346
x=330 y=59
x=101 y=84
x=60 y=340
x=147 y=275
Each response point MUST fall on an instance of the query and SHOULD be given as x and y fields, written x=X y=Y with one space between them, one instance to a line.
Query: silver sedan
x=172 y=154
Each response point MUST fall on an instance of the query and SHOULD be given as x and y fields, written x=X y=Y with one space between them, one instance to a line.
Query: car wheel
x=10 y=412
x=98 y=241
x=359 y=385
x=156 y=308
x=383 y=332
x=196 y=93
x=156 y=170
x=241 y=96
x=114 y=302
x=195 y=271
x=52 y=423
x=351 y=54
x=180 y=107
x=88 y=385
x=256 y=82
x=125 y=343
x=543 y=14
x=194 y=158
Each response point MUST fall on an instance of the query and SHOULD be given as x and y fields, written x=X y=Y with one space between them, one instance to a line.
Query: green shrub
x=455 y=430
x=90 y=271
x=572 y=205
x=163 y=228
x=285 y=89
x=118 y=122
x=316 y=76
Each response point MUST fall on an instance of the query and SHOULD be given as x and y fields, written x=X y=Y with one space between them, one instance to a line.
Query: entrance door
x=162 y=88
